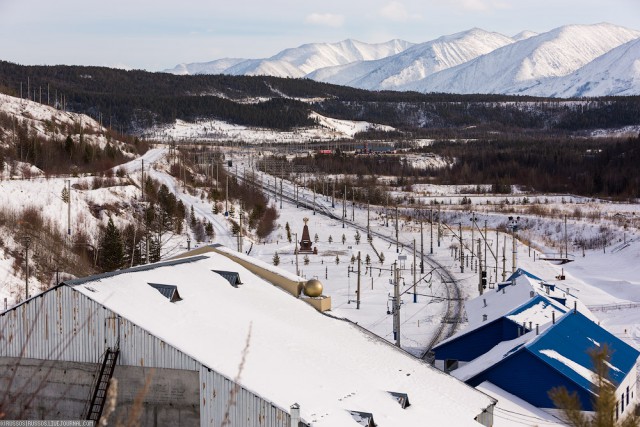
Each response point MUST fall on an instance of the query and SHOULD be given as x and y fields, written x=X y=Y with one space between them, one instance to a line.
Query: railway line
x=453 y=311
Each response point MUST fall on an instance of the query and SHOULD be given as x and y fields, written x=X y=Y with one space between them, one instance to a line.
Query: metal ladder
x=100 y=390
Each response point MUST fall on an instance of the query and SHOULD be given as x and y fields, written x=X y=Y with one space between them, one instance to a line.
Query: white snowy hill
x=414 y=63
x=617 y=72
x=299 y=61
x=474 y=61
x=520 y=67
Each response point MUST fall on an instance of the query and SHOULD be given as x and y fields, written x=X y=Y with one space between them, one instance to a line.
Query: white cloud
x=483 y=5
x=396 y=11
x=327 y=19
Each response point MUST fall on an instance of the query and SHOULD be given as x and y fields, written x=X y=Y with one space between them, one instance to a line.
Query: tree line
x=133 y=100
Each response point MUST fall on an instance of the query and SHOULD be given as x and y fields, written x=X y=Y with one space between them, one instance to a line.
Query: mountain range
x=569 y=61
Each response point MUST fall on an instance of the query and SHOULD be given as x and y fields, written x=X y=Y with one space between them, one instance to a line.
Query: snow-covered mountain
x=520 y=67
x=299 y=61
x=617 y=72
x=474 y=61
x=414 y=63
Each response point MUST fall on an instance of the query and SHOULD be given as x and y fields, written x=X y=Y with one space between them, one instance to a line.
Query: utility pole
x=439 y=216
x=368 y=216
x=497 y=252
x=314 y=198
x=69 y=207
x=358 y=291
x=480 y=271
x=397 y=241
x=281 y=193
x=514 y=260
x=473 y=239
x=396 y=305
x=461 y=249
x=422 y=245
x=486 y=249
x=27 y=242
x=504 y=259
x=226 y=199
x=431 y=231
x=240 y=233
x=333 y=195
x=386 y=212
x=353 y=204
x=296 y=251
x=344 y=205
x=415 y=269
x=566 y=241
x=142 y=183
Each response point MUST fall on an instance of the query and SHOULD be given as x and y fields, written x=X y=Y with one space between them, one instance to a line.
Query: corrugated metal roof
x=168 y=291
x=573 y=337
x=565 y=346
x=232 y=277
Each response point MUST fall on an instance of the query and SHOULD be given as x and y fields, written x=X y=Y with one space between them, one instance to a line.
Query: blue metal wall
x=527 y=377
x=475 y=343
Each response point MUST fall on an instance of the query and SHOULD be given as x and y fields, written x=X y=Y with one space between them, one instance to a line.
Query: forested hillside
x=131 y=101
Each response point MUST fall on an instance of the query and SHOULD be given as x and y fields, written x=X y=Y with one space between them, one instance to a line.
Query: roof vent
x=531 y=294
x=170 y=292
x=363 y=418
x=484 y=317
x=231 y=276
x=402 y=398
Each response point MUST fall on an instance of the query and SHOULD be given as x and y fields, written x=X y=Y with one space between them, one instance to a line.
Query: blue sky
x=158 y=34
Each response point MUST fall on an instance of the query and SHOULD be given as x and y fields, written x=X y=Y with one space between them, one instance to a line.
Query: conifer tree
x=604 y=399
x=276 y=259
x=288 y=230
x=111 y=248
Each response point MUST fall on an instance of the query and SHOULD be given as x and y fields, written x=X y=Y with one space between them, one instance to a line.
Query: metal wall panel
x=245 y=409
x=64 y=324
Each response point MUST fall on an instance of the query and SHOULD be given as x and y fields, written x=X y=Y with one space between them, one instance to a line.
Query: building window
x=627 y=396
x=622 y=403
x=616 y=411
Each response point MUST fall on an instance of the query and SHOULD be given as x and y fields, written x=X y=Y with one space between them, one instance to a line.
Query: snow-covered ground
x=598 y=277
x=327 y=129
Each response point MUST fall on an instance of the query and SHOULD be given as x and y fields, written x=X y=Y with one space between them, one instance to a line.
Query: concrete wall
x=60 y=390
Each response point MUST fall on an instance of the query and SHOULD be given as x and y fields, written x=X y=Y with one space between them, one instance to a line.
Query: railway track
x=453 y=311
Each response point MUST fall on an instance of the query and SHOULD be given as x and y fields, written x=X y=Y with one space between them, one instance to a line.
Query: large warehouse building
x=204 y=341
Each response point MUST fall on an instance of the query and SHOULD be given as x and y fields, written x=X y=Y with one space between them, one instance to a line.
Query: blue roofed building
x=512 y=310
x=557 y=354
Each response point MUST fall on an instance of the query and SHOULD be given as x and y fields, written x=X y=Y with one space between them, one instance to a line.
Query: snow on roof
x=511 y=410
x=537 y=311
x=565 y=346
x=520 y=272
x=295 y=354
x=527 y=299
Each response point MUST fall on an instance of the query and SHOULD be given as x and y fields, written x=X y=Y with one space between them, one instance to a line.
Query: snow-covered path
x=202 y=208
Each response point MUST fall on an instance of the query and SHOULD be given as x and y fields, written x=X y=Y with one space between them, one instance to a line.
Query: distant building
x=203 y=339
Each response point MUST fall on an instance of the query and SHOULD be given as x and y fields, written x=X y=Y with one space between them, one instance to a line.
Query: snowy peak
x=299 y=61
x=311 y=57
x=617 y=72
x=213 y=67
x=415 y=62
x=473 y=61
x=519 y=67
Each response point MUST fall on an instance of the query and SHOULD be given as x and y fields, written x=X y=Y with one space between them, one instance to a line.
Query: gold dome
x=313 y=288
